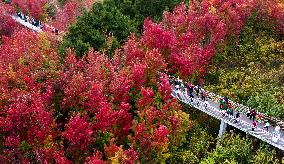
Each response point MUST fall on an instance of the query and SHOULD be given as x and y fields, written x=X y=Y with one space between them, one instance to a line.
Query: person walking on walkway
x=185 y=92
x=221 y=102
x=229 y=112
x=231 y=109
x=254 y=125
x=248 y=114
x=171 y=80
x=277 y=129
x=190 y=90
x=276 y=134
x=226 y=100
x=203 y=95
x=182 y=86
x=259 y=117
x=238 y=115
x=178 y=92
x=197 y=89
x=266 y=125
x=252 y=114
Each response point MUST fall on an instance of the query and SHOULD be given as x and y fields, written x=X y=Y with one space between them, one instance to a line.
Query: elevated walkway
x=26 y=24
x=211 y=107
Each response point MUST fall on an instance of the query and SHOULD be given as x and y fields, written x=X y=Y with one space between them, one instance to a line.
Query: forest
x=97 y=92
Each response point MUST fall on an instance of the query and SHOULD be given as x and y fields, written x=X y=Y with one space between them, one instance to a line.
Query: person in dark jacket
x=226 y=100
x=203 y=95
x=190 y=89
x=248 y=114
x=171 y=80
x=253 y=114
x=238 y=115
x=197 y=90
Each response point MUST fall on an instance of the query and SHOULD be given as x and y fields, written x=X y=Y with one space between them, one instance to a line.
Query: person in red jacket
x=254 y=125
x=259 y=117
x=44 y=27
x=252 y=114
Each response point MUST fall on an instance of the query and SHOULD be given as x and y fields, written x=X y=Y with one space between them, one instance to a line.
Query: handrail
x=41 y=26
x=260 y=133
x=245 y=109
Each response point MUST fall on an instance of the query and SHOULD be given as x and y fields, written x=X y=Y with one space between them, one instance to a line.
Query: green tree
x=232 y=148
x=267 y=103
x=110 y=22
x=138 y=10
x=104 y=27
x=264 y=156
x=196 y=147
x=251 y=66
x=235 y=149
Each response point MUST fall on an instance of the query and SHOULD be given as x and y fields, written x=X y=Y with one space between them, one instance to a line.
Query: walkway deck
x=26 y=24
x=211 y=107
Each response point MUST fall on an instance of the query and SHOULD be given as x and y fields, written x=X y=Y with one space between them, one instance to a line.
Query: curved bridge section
x=211 y=107
x=26 y=24
x=33 y=24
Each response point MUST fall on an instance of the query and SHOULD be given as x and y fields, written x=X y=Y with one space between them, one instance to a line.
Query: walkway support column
x=222 y=129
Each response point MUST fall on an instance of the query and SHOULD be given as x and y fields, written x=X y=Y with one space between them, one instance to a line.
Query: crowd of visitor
x=31 y=20
x=37 y=23
x=226 y=107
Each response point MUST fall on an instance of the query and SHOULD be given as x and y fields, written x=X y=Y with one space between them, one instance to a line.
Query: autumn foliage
x=38 y=9
x=95 y=109
x=7 y=24
x=44 y=104
x=67 y=14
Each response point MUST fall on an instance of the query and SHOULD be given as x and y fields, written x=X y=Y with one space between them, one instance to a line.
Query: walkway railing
x=208 y=108
x=26 y=24
x=31 y=24
x=244 y=109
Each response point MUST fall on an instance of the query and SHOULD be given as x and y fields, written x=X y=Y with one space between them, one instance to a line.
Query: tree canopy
x=103 y=27
x=108 y=98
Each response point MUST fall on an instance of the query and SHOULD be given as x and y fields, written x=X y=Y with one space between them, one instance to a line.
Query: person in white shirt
x=266 y=125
